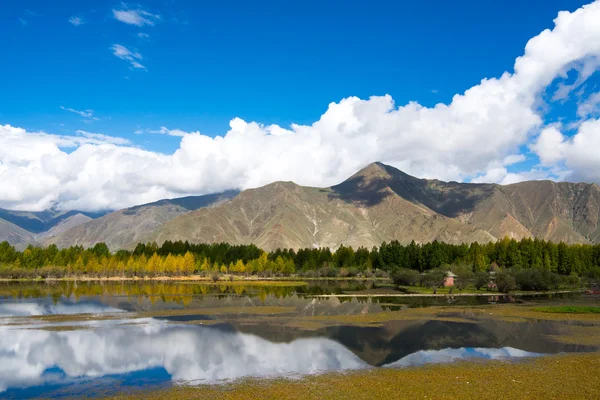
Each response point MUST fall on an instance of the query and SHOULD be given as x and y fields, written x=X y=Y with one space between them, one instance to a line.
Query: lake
x=65 y=339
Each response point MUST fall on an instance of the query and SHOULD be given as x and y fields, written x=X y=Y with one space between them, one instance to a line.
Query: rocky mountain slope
x=15 y=235
x=121 y=228
x=381 y=203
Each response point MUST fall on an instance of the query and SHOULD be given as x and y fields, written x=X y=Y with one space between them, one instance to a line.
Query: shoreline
x=193 y=278
x=489 y=294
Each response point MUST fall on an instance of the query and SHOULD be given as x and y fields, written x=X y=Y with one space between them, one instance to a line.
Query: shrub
x=433 y=279
x=573 y=280
x=328 y=272
x=537 y=279
x=505 y=282
x=379 y=273
x=309 y=274
x=481 y=279
x=214 y=277
x=348 y=272
x=406 y=277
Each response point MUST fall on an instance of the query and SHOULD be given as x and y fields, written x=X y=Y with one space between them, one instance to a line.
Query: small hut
x=449 y=279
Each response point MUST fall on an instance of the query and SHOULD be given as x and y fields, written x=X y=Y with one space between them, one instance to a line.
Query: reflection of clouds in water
x=187 y=353
x=47 y=307
x=450 y=355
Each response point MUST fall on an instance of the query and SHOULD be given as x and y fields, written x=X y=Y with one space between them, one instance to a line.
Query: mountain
x=63 y=226
x=380 y=203
x=15 y=235
x=122 y=228
x=362 y=211
x=21 y=228
x=41 y=221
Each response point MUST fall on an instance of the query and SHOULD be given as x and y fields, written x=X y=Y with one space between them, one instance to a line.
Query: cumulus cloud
x=578 y=153
x=124 y=53
x=74 y=20
x=477 y=136
x=137 y=17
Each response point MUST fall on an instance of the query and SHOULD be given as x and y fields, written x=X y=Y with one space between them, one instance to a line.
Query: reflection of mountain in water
x=396 y=339
x=192 y=354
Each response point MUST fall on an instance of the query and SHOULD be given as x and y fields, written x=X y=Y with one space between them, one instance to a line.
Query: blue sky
x=195 y=66
x=268 y=61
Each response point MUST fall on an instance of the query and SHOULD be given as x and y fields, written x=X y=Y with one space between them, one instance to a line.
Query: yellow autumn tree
x=239 y=267
x=78 y=268
x=92 y=267
x=205 y=266
x=188 y=264
x=262 y=263
x=289 y=266
x=153 y=265
x=169 y=265
x=279 y=265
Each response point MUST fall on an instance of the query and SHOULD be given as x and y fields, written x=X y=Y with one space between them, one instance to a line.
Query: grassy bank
x=573 y=376
x=569 y=309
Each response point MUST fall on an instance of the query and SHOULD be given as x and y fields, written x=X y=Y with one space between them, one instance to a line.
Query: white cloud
x=99 y=138
x=88 y=115
x=578 y=153
x=137 y=17
x=475 y=137
x=589 y=107
x=74 y=20
x=143 y=35
x=166 y=131
x=124 y=53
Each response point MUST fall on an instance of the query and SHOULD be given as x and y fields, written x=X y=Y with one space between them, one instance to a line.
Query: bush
x=309 y=274
x=406 y=277
x=348 y=272
x=379 y=273
x=481 y=279
x=572 y=281
x=505 y=282
x=328 y=272
x=50 y=272
x=537 y=279
x=214 y=277
x=433 y=279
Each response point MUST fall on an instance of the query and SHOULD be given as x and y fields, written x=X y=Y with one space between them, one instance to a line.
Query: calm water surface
x=65 y=339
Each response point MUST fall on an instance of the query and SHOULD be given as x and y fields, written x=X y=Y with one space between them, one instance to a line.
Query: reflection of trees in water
x=181 y=293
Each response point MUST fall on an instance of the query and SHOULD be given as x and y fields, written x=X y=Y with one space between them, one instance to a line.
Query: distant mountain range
x=378 y=203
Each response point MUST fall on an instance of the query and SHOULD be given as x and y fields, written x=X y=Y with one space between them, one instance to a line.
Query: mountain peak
x=375 y=170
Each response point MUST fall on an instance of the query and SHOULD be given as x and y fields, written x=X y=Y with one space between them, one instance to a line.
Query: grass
x=554 y=377
x=569 y=309
x=445 y=290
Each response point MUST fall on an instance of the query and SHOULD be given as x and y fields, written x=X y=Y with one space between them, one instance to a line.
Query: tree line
x=184 y=258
